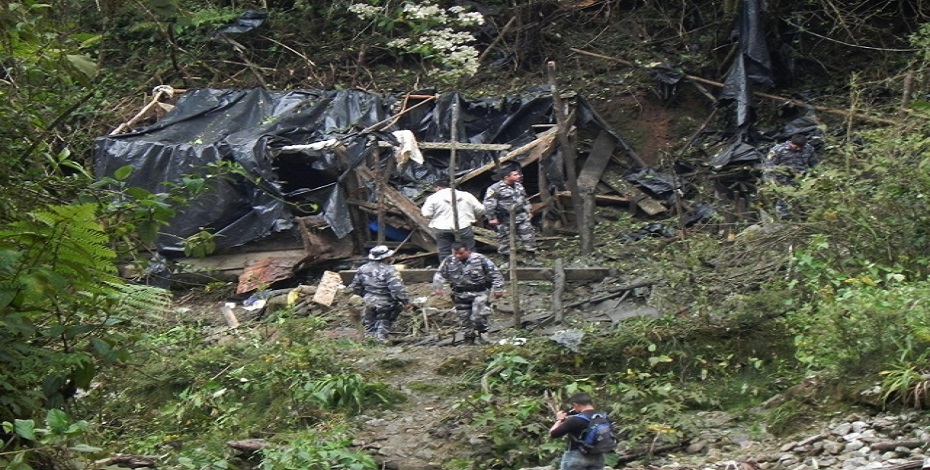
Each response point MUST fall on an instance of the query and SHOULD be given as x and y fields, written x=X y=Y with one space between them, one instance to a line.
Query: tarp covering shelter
x=210 y=127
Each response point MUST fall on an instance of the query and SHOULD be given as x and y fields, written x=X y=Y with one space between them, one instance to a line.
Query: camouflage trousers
x=473 y=310
x=525 y=233
x=379 y=316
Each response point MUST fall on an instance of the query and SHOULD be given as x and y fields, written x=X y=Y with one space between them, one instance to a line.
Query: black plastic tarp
x=751 y=66
x=249 y=127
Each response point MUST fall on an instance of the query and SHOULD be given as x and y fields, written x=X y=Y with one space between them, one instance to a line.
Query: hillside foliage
x=839 y=292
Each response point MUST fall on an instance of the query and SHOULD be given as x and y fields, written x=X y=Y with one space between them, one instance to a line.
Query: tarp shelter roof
x=208 y=127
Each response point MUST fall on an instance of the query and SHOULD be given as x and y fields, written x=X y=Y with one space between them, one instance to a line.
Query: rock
x=859 y=426
x=842 y=429
x=696 y=447
x=833 y=447
x=855 y=463
x=853 y=446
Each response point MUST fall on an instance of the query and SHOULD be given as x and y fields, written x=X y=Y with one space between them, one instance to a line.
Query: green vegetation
x=787 y=308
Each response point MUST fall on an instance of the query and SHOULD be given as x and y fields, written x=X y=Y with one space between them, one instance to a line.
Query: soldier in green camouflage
x=499 y=199
x=473 y=278
x=383 y=292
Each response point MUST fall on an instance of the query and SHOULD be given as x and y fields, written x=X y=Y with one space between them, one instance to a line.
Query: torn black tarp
x=751 y=66
x=659 y=184
x=250 y=127
x=738 y=152
x=208 y=127
x=247 y=21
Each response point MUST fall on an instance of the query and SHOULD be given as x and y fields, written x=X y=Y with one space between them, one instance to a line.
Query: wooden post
x=454 y=137
x=514 y=291
x=908 y=90
x=383 y=176
x=359 y=219
x=569 y=155
x=558 y=284
x=546 y=197
x=601 y=152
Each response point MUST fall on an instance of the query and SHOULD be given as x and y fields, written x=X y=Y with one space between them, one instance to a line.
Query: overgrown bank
x=837 y=294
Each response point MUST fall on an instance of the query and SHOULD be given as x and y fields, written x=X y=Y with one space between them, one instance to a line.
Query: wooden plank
x=537 y=148
x=596 y=163
x=405 y=205
x=327 y=288
x=463 y=146
x=235 y=262
x=523 y=274
x=642 y=200
x=558 y=280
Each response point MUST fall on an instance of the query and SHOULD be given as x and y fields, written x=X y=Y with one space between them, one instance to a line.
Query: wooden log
x=611 y=294
x=353 y=187
x=892 y=445
x=523 y=274
x=514 y=285
x=570 y=157
x=912 y=465
x=536 y=149
x=558 y=282
x=128 y=461
x=462 y=146
x=588 y=179
x=248 y=445
x=406 y=206
x=229 y=315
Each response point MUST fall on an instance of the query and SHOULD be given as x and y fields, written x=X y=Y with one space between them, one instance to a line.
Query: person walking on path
x=383 y=292
x=502 y=198
x=785 y=162
x=473 y=279
x=571 y=425
x=451 y=225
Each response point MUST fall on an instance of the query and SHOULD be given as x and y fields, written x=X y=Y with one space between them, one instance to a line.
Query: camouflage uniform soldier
x=785 y=162
x=473 y=278
x=499 y=198
x=383 y=291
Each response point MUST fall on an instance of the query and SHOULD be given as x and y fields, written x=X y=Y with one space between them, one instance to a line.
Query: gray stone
x=696 y=447
x=853 y=446
x=842 y=429
x=855 y=463
x=787 y=447
x=859 y=426
x=833 y=447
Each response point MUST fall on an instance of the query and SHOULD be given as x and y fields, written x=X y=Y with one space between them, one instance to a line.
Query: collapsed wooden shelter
x=323 y=175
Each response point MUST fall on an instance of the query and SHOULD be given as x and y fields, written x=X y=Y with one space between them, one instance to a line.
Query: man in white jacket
x=450 y=226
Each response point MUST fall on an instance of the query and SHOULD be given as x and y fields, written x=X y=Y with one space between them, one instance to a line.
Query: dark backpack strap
x=580 y=438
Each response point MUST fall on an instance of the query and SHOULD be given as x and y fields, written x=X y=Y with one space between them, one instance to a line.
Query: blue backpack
x=599 y=437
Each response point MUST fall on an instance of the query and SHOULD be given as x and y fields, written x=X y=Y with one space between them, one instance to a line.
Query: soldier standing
x=785 y=162
x=473 y=278
x=502 y=198
x=383 y=291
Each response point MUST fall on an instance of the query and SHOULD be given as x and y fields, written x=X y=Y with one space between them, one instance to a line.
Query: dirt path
x=422 y=432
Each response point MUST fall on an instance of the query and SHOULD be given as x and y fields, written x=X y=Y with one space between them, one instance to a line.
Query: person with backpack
x=590 y=434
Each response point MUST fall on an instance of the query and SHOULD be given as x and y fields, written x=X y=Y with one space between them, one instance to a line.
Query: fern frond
x=141 y=299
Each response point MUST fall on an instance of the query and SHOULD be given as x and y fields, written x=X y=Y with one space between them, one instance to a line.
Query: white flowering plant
x=439 y=35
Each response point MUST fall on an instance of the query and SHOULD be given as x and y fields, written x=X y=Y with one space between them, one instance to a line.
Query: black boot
x=531 y=258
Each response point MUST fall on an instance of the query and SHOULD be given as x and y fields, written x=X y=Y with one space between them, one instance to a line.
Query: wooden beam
x=523 y=274
x=463 y=146
x=588 y=179
x=403 y=204
x=536 y=148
